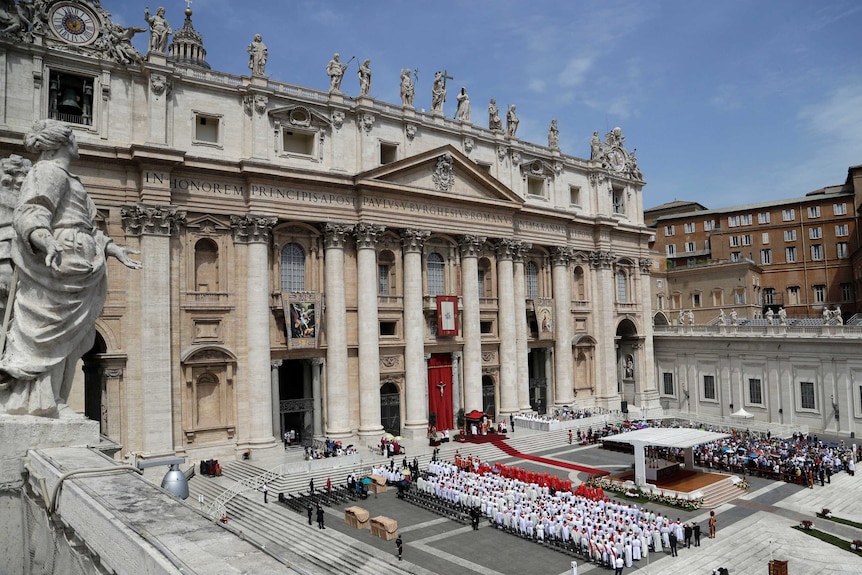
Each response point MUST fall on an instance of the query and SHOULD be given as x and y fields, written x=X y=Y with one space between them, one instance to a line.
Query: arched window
x=292 y=268
x=206 y=266
x=434 y=269
x=622 y=287
x=580 y=286
x=485 y=278
x=532 y=280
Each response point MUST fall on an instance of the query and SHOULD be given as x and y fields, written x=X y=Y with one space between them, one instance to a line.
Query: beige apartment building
x=795 y=254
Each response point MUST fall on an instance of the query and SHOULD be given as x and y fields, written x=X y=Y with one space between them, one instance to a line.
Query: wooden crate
x=356 y=517
x=384 y=527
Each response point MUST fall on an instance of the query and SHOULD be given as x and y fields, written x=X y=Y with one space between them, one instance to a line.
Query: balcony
x=207 y=299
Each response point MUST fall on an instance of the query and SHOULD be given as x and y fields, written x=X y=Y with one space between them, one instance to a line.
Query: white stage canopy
x=679 y=437
x=674 y=437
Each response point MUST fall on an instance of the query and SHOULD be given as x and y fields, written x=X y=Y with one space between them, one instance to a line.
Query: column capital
x=506 y=248
x=645 y=265
x=520 y=250
x=456 y=355
x=142 y=219
x=470 y=245
x=252 y=229
x=560 y=255
x=334 y=235
x=315 y=361
x=275 y=364
x=601 y=259
x=413 y=240
x=367 y=235
x=427 y=357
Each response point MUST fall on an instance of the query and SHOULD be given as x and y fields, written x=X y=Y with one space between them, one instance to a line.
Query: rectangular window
x=768 y=296
x=486 y=327
x=736 y=256
x=764 y=238
x=575 y=195
x=819 y=293
x=668 y=383
x=843 y=251
x=695 y=300
x=813 y=211
x=806 y=395
x=689 y=246
x=817 y=252
x=732 y=221
x=206 y=129
x=388 y=153
x=788 y=215
x=382 y=279
x=668 y=231
x=670 y=249
x=842 y=230
x=766 y=256
x=689 y=227
x=793 y=295
x=839 y=209
x=790 y=255
x=746 y=239
x=755 y=393
x=619 y=201
x=734 y=241
x=763 y=218
x=815 y=233
x=739 y=296
x=745 y=219
x=789 y=235
x=536 y=186
x=298 y=142
x=708 y=225
x=388 y=328
x=846 y=292
x=706 y=244
x=70 y=98
x=709 y=387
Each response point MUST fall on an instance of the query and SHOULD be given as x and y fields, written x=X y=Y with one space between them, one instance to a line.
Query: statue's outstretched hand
x=122 y=254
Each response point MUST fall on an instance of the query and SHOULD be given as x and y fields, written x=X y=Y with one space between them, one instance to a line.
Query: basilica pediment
x=443 y=171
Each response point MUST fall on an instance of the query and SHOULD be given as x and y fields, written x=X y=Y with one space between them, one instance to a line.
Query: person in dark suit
x=673 y=541
x=310 y=512
x=320 y=517
x=399 y=543
x=688 y=531
x=696 y=530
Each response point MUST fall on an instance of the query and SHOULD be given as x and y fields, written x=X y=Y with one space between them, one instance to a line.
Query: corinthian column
x=470 y=328
x=276 y=399
x=257 y=411
x=369 y=329
x=337 y=407
x=507 y=320
x=155 y=226
x=416 y=389
x=602 y=262
x=522 y=350
x=563 y=384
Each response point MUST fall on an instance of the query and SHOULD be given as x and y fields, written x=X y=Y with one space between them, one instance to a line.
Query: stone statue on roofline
x=59 y=283
x=257 y=56
x=407 y=89
x=159 y=30
x=494 y=122
x=364 y=74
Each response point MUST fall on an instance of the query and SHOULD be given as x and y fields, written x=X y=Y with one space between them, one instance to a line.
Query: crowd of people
x=803 y=459
x=537 y=506
x=330 y=448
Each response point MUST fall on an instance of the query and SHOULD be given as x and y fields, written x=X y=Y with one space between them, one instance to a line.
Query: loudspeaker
x=624 y=406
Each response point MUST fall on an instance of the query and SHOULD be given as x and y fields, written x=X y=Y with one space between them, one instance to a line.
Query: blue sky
x=726 y=101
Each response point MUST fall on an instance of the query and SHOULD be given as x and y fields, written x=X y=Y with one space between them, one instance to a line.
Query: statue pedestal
x=19 y=433
x=336 y=98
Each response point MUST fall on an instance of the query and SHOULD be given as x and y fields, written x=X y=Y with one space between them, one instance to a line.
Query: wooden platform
x=685 y=481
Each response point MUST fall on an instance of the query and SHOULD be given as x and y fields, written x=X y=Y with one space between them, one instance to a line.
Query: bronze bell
x=69 y=101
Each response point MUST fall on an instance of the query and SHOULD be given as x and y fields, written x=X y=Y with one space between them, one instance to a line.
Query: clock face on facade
x=616 y=160
x=74 y=24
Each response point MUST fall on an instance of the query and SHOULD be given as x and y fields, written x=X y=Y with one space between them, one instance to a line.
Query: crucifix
x=446 y=76
x=442 y=387
x=188 y=4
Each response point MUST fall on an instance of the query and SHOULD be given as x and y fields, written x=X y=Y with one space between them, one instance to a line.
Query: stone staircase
x=288 y=535
x=719 y=493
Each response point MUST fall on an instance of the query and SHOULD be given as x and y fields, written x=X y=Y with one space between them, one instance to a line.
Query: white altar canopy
x=673 y=437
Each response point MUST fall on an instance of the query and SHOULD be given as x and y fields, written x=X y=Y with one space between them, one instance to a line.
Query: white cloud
x=536 y=85
x=575 y=71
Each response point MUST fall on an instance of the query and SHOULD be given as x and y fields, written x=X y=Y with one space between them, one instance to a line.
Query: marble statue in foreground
x=59 y=257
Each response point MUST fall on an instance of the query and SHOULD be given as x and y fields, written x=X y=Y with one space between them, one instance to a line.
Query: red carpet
x=554 y=462
x=490 y=438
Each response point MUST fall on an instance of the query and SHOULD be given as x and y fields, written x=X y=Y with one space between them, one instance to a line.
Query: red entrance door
x=440 y=389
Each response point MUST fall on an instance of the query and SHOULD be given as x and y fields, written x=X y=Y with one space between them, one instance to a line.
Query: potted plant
x=807 y=524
